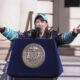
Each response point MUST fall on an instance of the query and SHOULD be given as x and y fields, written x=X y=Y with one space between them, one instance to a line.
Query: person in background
x=41 y=31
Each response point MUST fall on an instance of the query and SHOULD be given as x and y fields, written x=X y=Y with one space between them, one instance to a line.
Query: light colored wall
x=10 y=13
x=56 y=14
x=37 y=7
x=26 y=6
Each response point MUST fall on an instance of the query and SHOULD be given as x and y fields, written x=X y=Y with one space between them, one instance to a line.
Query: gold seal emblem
x=33 y=55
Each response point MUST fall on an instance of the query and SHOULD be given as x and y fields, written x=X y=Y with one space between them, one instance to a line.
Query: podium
x=34 y=58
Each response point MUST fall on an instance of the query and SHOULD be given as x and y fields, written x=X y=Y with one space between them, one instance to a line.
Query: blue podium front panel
x=34 y=58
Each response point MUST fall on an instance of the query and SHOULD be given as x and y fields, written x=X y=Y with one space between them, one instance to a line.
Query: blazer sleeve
x=65 y=38
x=10 y=34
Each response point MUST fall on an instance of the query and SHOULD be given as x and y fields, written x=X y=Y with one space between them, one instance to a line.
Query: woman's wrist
x=74 y=32
x=2 y=29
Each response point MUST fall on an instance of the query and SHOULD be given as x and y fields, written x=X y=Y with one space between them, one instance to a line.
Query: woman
x=41 y=31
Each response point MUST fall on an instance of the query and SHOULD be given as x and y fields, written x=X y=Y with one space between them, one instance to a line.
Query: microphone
x=38 y=32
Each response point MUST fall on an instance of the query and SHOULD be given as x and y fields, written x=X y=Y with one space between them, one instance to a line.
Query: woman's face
x=42 y=24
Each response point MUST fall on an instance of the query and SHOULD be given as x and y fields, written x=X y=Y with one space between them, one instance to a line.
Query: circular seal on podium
x=33 y=55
